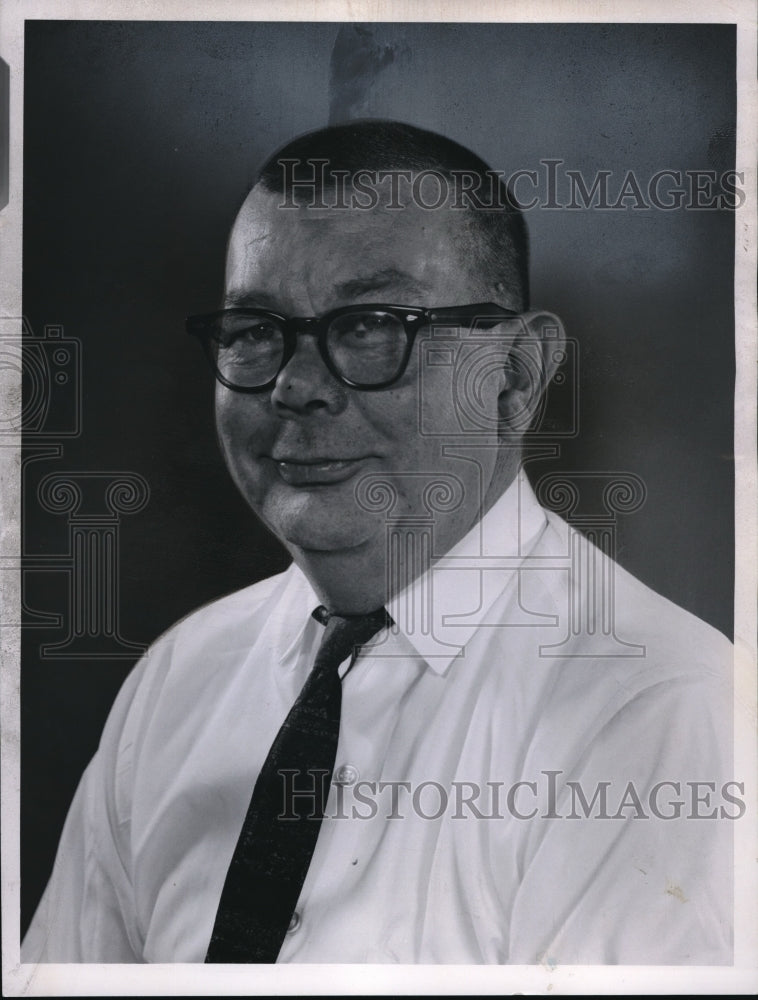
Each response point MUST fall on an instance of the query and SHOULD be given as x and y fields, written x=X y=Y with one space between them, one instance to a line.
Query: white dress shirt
x=506 y=665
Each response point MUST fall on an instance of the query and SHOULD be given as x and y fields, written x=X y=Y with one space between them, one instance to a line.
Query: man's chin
x=315 y=528
x=324 y=538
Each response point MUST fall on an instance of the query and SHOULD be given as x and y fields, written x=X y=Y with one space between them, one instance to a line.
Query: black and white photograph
x=378 y=485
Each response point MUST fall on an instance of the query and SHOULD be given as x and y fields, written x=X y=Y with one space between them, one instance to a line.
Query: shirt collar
x=300 y=600
x=439 y=612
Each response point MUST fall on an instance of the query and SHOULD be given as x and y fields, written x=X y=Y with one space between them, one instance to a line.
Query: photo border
x=179 y=979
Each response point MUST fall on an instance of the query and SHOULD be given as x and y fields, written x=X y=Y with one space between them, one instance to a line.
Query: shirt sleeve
x=87 y=912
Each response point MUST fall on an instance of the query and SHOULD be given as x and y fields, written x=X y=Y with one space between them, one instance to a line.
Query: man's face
x=297 y=452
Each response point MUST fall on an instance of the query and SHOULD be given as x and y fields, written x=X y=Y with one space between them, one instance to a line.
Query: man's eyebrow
x=354 y=287
x=242 y=298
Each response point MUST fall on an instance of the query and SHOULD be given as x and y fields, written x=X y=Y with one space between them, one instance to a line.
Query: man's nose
x=305 y=385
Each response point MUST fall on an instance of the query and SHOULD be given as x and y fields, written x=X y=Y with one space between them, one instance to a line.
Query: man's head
x=308 y=240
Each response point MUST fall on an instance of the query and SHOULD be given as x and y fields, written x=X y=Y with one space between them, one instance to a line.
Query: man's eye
x=262 y=332
x=369 y=324
x=366 y=328
x=363 y=332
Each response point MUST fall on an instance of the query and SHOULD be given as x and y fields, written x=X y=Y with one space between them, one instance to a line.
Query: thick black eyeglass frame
x=413 y=319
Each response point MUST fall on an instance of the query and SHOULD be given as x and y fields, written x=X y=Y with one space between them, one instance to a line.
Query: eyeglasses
x=363 y=346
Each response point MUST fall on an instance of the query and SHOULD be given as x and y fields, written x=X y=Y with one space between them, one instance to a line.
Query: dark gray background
x=140 y=141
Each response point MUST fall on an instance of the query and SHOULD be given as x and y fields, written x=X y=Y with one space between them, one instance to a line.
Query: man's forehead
x=360 y=284
x=356 y=251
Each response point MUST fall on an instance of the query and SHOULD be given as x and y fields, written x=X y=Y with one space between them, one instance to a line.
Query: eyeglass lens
x=365 y=347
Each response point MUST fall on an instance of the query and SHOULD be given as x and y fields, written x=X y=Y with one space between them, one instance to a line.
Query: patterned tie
x=279 y=834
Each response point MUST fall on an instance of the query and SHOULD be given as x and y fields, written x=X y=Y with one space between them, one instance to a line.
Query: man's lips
x=316 y=471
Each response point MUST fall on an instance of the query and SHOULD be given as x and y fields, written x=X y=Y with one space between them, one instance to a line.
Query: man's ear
x=537 y=342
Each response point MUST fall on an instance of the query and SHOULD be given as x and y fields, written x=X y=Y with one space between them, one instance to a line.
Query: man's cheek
x=255 y=477
x=240 y=424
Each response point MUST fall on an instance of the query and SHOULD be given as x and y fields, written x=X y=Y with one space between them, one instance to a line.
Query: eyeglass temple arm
x=480 y=310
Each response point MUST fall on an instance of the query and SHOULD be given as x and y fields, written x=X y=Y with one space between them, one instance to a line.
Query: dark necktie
x=279 y=834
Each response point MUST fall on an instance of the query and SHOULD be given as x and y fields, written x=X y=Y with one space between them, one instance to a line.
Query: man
x=533 y=748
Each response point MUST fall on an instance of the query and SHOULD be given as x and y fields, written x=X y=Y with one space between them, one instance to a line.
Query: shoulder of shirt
x=224 y=626
x=200 y=643
x=237 y=617
x=661 y=671
x=676 y=642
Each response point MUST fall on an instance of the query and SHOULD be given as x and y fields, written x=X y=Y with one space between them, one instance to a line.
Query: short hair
x=498 y=236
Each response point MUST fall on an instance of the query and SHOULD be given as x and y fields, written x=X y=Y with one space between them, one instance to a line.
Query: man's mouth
x=316 y=471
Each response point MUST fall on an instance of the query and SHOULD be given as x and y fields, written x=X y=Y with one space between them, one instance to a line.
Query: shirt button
x=346 y=775
x=294 y=923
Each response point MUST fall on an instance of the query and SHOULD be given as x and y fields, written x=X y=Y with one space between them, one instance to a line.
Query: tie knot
x=344 y=634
